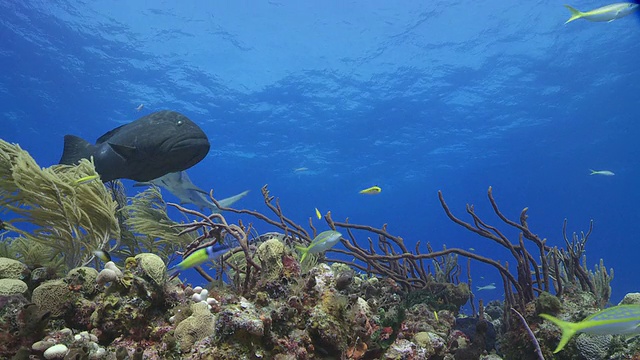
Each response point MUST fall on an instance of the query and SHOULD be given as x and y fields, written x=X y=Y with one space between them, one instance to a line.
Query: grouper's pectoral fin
x=124 y=151
x=75 y=148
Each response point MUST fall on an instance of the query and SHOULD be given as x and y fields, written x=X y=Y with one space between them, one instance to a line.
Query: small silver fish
x=601 y=172
x=491 y=286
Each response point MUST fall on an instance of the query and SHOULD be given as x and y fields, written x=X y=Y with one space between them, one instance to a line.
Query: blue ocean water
x=414 y=97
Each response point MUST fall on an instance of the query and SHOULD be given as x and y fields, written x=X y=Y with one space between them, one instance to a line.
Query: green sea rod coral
x=70 y=217
x=147 y=214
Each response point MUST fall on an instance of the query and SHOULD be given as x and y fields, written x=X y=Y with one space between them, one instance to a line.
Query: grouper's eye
x=179 y=123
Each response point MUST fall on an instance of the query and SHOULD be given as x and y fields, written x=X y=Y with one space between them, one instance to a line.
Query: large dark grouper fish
x=148 y=148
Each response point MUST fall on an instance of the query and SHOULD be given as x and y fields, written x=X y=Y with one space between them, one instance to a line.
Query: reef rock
x=630 y=299
x=84 y=278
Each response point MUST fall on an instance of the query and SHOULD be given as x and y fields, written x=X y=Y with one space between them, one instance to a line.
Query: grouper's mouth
x=197 y=143
x=190 y=150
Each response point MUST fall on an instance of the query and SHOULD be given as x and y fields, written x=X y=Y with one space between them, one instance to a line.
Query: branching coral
x=72 y=217
x=573 y=270
x=389 y=257
x=215 y=229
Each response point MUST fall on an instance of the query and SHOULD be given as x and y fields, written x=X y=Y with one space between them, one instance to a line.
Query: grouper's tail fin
x=568 y=330
x=75 y=148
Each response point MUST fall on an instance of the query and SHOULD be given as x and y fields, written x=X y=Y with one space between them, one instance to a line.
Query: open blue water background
x=415 y=97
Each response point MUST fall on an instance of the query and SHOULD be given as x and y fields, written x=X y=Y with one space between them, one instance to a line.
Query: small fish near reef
x=371 y=190
x=318 y=214
x=102 y=255
x=323 y=242
x=86 y=179
x=139 y=107
x=491 y=286
x=617 y=320
x=606 y=13
x=145 y=149
x=601 y=172
x=211 y=252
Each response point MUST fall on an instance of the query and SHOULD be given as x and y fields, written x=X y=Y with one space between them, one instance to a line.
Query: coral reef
x=372 y=299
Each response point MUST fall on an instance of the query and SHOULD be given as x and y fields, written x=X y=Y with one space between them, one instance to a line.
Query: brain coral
x=85 y=277
x=593 y=347
x=53 y=296
x=10 y=287
x=13 y=269
x=152 y=266
x=196 y=327
x=270 y=254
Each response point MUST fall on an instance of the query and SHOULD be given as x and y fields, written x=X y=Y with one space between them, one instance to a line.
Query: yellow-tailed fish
x=601 y=172
x=323 y=242
x=211 y=252
x=318 y=214
x=102 y=255
x=621 y=319
x=605 y=13
x=371 y=190
x=86 y=179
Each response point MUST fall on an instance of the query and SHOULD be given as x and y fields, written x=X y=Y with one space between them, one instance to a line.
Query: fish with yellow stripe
x=606 y=13
x=323 y=242
x=211 y=252
x=617 y=320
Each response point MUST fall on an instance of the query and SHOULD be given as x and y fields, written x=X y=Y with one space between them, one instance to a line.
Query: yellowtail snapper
x=617 y=320
x=606 y=13
x=371 y=190
x=323 y=242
